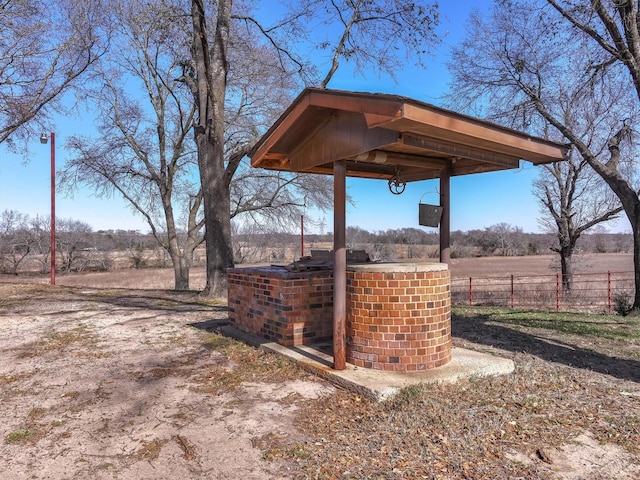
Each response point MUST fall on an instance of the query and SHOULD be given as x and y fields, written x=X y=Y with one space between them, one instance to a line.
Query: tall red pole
x=53 y=208
x=301 y=236
x=557 y=292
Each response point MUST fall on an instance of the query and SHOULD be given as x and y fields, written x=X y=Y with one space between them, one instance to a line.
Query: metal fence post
x=512 y=290
x=609 y=291
x=470 y=293
x=557 y=292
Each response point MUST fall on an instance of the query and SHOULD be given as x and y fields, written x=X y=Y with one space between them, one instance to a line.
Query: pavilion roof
x=389 y=136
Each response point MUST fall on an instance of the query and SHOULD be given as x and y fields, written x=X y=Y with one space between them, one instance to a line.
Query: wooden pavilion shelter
x=394 y=138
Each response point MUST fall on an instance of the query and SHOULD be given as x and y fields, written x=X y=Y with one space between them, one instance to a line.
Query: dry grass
x=34 y=428
x=539 y=265
x=144 y=278
x=79 y=339
x=150 y=450
x=573 y=376
x=469 y=430
x=248 y=364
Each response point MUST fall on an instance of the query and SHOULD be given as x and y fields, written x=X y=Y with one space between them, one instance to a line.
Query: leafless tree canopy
x=233 y=50
x=184 y=88
x=372 y=35
x=44 y=48
x=574 y=198
x=145 y=149
x=565 y=69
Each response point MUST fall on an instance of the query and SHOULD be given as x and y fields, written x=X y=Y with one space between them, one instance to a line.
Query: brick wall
x=399 y=320
x=291 y=308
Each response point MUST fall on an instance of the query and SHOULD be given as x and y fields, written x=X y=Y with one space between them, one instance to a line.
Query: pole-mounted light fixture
x=44 y=138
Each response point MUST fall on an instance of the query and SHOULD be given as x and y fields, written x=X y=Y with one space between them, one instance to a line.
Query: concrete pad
x=379 y=385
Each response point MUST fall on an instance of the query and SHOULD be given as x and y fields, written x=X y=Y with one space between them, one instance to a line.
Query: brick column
x=398 y=316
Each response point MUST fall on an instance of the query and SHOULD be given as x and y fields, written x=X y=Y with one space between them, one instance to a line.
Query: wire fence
x=609 y=292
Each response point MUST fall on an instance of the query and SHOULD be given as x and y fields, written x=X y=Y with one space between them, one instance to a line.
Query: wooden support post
x=445 y=220
x=339 y=264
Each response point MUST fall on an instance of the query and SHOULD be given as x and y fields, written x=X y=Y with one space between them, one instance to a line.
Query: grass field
x=460 y=268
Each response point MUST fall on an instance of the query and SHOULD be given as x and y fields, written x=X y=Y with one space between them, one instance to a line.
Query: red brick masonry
x=398 y=315
x=291 y=308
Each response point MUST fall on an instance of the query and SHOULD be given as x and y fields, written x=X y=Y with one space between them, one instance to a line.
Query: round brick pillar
x=398 y=316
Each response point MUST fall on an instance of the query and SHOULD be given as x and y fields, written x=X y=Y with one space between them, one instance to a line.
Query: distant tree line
x=501 y=239
x=25 y=245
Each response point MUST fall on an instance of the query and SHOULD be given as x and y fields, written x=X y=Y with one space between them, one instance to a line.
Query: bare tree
x=612 y=27
x=275 y=200
x=357 y=238
x=228 y=124
x=216 y=35
x=145 y=151
x=504 y=239
x=9 y=221
x=574 y=199
x=72 y=243
x=571 y=65
x=16 y=240
x=41 y=229
x=500 y=239
x=374 y=34
x=44 y=48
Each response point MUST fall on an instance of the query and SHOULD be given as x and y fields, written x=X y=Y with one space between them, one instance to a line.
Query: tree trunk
x=566 y=268
x=630 y=202
x=180 y=257
x=210 y=91
x=217 y=206
x=636 y=261
x=181 y=269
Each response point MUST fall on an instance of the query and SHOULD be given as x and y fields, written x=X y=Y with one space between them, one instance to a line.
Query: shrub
x=622 y=303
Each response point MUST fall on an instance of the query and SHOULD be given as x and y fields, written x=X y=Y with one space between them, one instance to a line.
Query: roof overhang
x=385 y=136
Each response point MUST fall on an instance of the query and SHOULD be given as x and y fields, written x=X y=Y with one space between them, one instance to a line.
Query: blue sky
x=478 y=201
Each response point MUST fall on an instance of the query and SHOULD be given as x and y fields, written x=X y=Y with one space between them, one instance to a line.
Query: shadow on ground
x=482 y=329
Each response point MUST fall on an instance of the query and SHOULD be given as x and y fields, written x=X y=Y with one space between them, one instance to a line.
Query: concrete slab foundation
x=379 y=385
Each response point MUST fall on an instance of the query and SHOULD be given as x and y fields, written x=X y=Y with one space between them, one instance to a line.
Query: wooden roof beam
x=342 y=136
x=397 y=158
x=459 y=151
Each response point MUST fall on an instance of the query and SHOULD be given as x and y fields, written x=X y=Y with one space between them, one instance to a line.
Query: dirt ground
x=128 y=384
x=113 y=384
